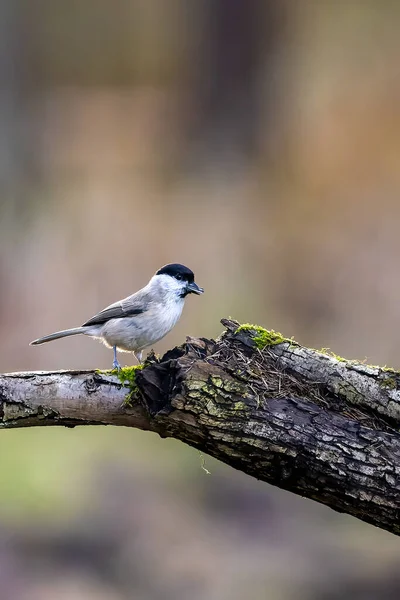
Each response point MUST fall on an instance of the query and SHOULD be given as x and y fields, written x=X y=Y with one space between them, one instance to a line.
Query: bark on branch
x=303 y=420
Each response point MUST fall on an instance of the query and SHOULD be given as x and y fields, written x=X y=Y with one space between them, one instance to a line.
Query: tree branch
x=303 y=420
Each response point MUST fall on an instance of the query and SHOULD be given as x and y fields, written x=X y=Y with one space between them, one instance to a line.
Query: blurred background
x=258 y=142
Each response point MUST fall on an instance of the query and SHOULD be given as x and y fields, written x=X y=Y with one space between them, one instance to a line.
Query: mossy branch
x=305 y=420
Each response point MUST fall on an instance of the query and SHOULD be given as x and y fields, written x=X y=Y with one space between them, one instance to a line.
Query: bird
x=142 y=319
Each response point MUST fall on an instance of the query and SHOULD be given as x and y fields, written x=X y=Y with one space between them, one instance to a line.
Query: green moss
x=217 y=381
x=388 y=382
x=264 y=337
x=240 y=406
x=127 y=377
x=387 y=377
x=328 y=352
x=339 y=358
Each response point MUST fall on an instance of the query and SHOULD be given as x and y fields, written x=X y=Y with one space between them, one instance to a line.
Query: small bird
x=140 y=320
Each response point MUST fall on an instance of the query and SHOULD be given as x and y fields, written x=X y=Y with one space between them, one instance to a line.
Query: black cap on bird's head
x=184 y=274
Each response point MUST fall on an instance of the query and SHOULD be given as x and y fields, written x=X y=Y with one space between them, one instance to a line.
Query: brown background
x=256 y=142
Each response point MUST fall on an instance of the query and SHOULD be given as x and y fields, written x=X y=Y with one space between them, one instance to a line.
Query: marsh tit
x=140 y=320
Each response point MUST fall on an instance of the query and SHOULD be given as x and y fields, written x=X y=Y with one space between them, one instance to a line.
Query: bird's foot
x=138 y=356
x=116 y=365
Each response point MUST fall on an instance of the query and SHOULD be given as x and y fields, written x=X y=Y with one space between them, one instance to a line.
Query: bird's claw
x=116 y=364
x=138 y=356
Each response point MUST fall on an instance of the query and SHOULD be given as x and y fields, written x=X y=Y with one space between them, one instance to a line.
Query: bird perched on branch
x=140 y=320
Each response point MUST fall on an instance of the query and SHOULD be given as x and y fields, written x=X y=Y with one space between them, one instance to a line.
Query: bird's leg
x=138 y=356
x=116 y=364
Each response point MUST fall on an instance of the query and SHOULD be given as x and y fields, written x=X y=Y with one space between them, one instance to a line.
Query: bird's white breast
x=136 y=333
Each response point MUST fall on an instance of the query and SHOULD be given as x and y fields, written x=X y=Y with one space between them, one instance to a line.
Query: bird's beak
x=193 y=288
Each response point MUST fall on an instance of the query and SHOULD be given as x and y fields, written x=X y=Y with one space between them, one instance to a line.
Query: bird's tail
x=59 y=334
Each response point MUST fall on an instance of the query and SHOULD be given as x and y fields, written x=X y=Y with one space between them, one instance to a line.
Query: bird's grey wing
x=129 y=307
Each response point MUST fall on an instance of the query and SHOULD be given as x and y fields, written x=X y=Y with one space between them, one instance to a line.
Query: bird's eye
x=178 y=277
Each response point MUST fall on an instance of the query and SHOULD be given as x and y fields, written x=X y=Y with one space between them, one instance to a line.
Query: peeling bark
x=302 y=420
